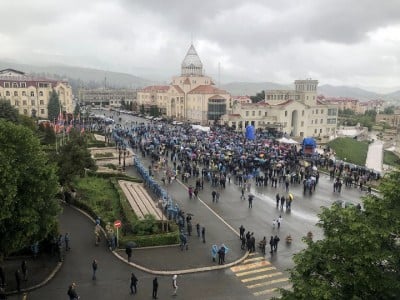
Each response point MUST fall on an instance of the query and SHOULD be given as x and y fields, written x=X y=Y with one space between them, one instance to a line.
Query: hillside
x=251 y=88
x=82 y=77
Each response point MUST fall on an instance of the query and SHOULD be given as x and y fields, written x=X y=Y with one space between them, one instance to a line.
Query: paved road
x=375 y=156
x=255 y=278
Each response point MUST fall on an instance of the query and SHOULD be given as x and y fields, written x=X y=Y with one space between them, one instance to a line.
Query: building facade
x=297 y=113
x=190 y=97
x=107 y=97
x=30 y=95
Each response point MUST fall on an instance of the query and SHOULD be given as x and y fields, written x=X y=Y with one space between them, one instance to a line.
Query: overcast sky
x=338 y=42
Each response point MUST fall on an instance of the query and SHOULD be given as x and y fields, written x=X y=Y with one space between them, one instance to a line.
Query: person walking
x=278 y=198
x=282 y=201
x=279 y=221
x=128 y=251
x=276 y=241
x=24 y=269
x=242 y=196
x=66 y=241
x=198 y=229
x=133 y=285
x=18 y=280
x=263 y=243
x=250 y=199
x=241 y=231
x=155 y=287
x=214 y=195
x=273 y=223
x=203 y=234
x=94 y=269
x=174 y=285
x=217 y=197
x=73 y=295
x=271 y=244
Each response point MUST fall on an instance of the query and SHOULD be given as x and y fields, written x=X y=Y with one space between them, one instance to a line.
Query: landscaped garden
x=350 y=150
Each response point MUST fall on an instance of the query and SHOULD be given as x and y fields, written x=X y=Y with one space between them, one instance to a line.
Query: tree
x=74 y=158
x=77 y=110
x=359 y=256
x=389 y=110
x=53 y=107
x=142 y=109
x=28 y=187
x=258 y=97
x=8 y=112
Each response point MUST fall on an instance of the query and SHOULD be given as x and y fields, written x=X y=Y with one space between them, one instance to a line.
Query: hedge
x=168 y=238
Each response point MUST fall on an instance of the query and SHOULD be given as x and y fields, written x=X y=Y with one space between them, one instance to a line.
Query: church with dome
x=191 y=97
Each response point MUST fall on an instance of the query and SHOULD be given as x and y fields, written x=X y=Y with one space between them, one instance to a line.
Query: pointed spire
x=192 y=65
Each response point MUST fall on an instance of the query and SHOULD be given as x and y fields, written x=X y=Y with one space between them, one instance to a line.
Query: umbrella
x=131 y=244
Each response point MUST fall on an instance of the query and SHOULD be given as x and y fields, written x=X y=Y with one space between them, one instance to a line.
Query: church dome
x=191 y=65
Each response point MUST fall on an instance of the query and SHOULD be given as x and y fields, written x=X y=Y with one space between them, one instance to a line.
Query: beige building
x=296 y=112
x=191 y=97
x=106 y=97
x=30 y=95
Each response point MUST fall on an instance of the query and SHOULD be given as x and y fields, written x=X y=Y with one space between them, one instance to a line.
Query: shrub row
x=169 y=238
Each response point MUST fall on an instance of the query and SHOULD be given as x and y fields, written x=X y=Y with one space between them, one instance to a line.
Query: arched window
x=32 y=94
x=41 y=93
x=7 y=93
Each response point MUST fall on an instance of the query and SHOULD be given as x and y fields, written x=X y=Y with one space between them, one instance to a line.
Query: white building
x=30 y=95
x=296 y=112
x=191 y=97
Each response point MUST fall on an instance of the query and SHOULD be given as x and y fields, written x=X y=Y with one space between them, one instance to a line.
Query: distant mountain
x=251 y=88
x=347 y=91
x=82 y=77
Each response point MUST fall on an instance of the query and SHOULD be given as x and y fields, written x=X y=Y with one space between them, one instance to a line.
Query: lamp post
x=119 y=154
x=123 y=167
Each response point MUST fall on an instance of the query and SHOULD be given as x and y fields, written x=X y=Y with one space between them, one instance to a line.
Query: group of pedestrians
x=133 y=286
x=248 y=241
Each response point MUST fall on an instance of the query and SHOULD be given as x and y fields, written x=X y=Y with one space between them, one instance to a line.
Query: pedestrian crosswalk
x=261 y=277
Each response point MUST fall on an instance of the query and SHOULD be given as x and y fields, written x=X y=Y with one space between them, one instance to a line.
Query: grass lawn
x=99 y=194
x=391 y=159
x=351 y=150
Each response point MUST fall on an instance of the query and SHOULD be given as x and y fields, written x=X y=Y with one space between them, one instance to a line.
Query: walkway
x=375 y=156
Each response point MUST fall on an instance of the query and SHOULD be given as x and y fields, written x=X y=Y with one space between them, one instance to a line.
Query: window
x=42 y=111
x=6 y=84
x=302 y=123
x=322 y=121
x=24 y=102
x=265 y=114
x=25 y=111
x=285 y=113
x=23 y=93
x=33 y=102
x=315 y=131
x=247 y=113
x=320 y=131
x=312 y=121
x=15 y=85
x=316 y=111
x=259 y=112
x=23 y=84
x=15 y=93
x=331 y=121
x=302 y=113
x=322 y=111
x=253 y=113
x=7 y=93
x=332 y=112
x=41 y=93
x=32 y=94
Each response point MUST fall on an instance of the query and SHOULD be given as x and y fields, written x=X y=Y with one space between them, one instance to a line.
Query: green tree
x=77 y=110
x=359 y=256
x=8 y=112
x=258 y=97
x=73 y=158
x=142 y=109
x=54 y=106
x=28 y=187
x=389 y=110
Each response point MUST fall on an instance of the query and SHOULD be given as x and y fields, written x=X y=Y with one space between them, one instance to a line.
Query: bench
x=140 y=201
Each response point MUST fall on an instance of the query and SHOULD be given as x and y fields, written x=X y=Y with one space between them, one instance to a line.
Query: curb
x=160 y=272
x=39 y=285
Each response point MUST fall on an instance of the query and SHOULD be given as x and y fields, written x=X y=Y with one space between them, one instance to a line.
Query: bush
x=169 y=238
x=111 y=166
x=103 y=155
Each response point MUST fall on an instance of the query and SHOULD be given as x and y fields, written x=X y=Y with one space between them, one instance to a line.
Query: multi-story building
x=106 y=97
x=30 y=95
x=191 y=97
x=296 y=112
x=359 y=107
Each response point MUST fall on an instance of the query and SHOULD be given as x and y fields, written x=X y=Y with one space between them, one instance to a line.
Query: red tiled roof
x=178 y=88
x=155 y=88
x=207 y=89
